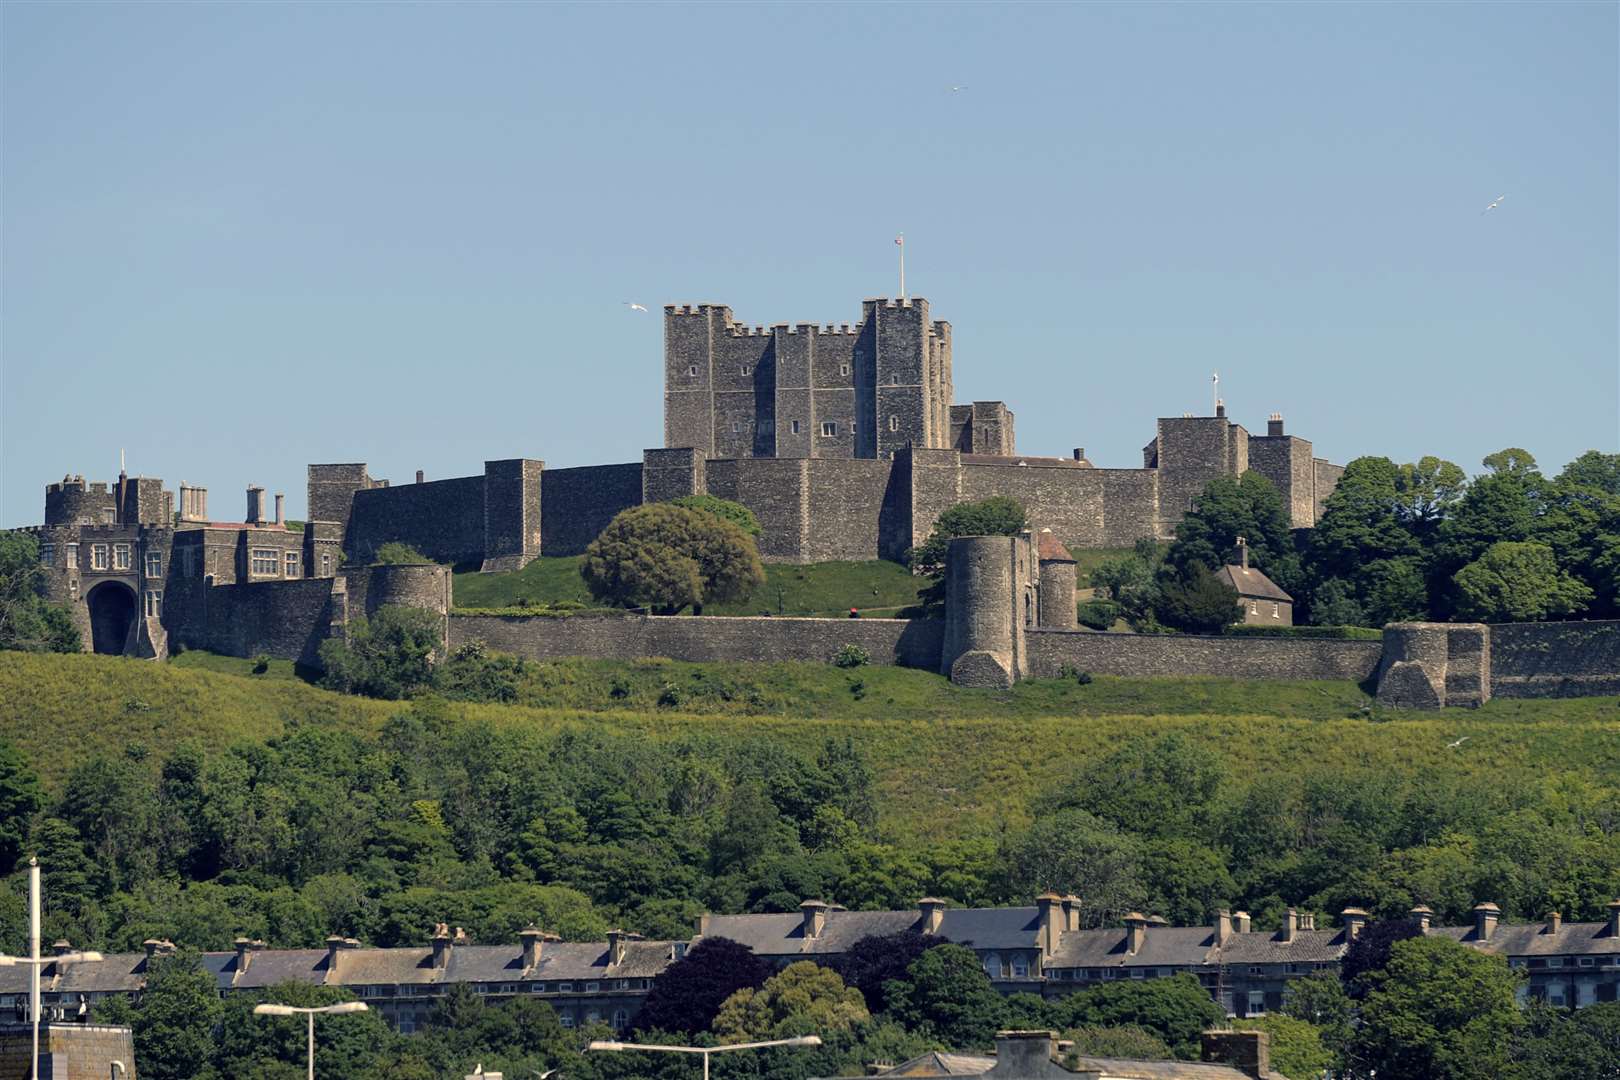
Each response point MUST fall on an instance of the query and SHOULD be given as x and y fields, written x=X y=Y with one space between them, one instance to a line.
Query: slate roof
x=1308 y=946
x=1250 y=582
x=783 y=935
x=992 y=928
x=1162 y=946
x=938 y=1063
x=1133 y=1069
x=1533 y=939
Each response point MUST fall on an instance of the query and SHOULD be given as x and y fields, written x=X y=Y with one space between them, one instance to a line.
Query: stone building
x=68 y=1051
x=1263 y=602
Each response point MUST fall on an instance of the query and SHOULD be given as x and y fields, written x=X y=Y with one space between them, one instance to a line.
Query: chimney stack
x=532 y=940
x=420 y=476
x=193 y=503
x=1240 y=922
x=1274 y=426
x=244 y=954
x=1071 y=913
x=1555 y=922
x=1289 y=925
x=157 y=947
x=1223 y=927
x=1614 y=918
x=1424 y=914
x=61 y=947
x=1049 y=906
x=441 y=945
x=1136 y=925
x=1486 y=916
x=1079 y=453
x=933 y=914
x=1248 y=1052
x=281 y=509
x=616 y=940
x=1240 y=553
x=334 y=945
x=255 y=505
x=1354 y=919
x=815 y=917
x=1220 y=409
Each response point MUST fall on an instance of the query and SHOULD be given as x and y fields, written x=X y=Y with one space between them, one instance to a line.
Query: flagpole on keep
x=901 y=241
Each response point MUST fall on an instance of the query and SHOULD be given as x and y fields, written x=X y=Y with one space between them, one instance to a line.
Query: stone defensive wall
x=443 y=519
x=1572 y=659
x=899 y=642
x=577 y=504
x=1148 y=655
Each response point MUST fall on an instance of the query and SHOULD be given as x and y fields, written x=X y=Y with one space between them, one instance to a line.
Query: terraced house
x=1038 y=949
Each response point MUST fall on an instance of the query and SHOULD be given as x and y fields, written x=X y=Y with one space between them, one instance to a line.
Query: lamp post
x=35 y=961
x=293 y=1010
x=706 y=1051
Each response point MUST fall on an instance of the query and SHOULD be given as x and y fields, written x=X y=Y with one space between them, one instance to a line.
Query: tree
x=1319 y=1000
x=1426 y=490
x=1176 y=1009
x=1229 y=507
x=1369 y=953
x=1164 y=788
x=1363 y=562
x=174 y=1022
x=387 y=656
x=668 y=557
x=20 y=798
x=1559 y=1044
x=1071 y=851
x=947 y=992
x=1438 y=1011
x=804 y=998
x=686 y=998
x=1297 y=1049
x=724 y=509
x=27 y=621
x=1132 y=581
x=1517 y=582
x=1198 y=604
x=344 y=1045
x=871 y=962
x=1127 y=1041
x=995 y=516
x=1594 y=469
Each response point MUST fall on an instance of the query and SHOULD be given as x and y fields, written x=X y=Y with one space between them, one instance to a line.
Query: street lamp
x=293 y=1010
x=35 y=961
x=706 y=1051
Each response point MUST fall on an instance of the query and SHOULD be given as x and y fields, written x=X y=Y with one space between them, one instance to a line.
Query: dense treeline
x=1394 y=542
x=321 y=831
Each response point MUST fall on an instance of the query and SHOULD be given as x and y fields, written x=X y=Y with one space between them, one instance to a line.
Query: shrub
x=668 y=557
x=724 y=509
x=388 y=656
x=1201 y=604
x=1098 y=614
x=670 y=696
x=261 y=664
x=1339 y=633
x=473 y=673
x=851 y=656
x=395 y=553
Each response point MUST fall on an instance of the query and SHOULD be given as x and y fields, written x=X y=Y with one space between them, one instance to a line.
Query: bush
x=473 y=673
x=388 y=656
x=724 y=509
x=1098 y=614
x=1201 y=604
x=1336 y=633
x=261 y=664
x=395 y=553
x=667 y=557
x=851 y=656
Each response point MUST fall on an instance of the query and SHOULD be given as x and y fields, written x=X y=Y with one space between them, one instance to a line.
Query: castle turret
x=987 y=589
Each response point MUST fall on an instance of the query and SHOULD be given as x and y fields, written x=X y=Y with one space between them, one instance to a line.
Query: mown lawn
x=949 y=761
x=830 y=588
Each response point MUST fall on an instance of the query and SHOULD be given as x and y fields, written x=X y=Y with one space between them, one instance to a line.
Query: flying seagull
x=957 y=89
x=1493 y=205
x=633 y=306
x=1459 y=742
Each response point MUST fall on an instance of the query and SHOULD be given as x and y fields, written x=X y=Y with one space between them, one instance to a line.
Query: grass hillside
x=831 y=588
x=948 y=761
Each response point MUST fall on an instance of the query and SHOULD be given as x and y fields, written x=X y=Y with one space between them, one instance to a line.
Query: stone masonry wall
x=68 y=1051
x=1145 y=655
x=1569 y=659
x=286 y=619
x=914 y=643
x=577 y=504
x=443 y=519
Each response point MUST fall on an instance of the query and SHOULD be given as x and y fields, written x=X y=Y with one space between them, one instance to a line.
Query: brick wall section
x=67 y=1051
x=1569 y=659
x=443 y=519
x=627 y=637
x=577 y=504
x=1146 y=655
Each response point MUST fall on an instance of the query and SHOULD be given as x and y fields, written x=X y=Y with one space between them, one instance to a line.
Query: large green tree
x=1437 y=1011
x=176 y=1017
x=1198 y=604
x=1517 y=582
x=724 y=509
x=27 y=621
x=20 y=798
x=1363 y=564
x=996 y=516
x=668 y=558
x=1229 y=507
x=1176 y=1009
x=802 y=999
x=1072 y=851
x=388 y=656
x=947 y=993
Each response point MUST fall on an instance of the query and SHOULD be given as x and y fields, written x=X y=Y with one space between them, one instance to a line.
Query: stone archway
x=112 y=614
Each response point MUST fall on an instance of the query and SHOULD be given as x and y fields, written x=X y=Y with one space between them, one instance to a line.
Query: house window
x=843 y=369
x=593 y=1016
x=591 y=988
x=73 y=589
x=108 y=515
x=565 y=988
x=692 y=371
x=154 y=604
x=1276 y=611
x=121 y=556
x=852 y=427
x=537 y=988
x=1254 y=608
x=265 y=561
x=1257 y=1003
x=47 y=554
x=154 y=564
x=566 y=1019
x=894 y=423
x=326 y=565
x=746 y=369
x=1555 y=961
x=291 y=563
x=98 y=556
x=1020 y=968
x=73 y=556
x=1586 y=961
x=992 y=966
x=621 y=1019
x=795 y=427
x=829 y=428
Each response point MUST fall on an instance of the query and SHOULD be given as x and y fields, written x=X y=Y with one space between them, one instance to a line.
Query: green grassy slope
x=949 y=761
x=832 y=588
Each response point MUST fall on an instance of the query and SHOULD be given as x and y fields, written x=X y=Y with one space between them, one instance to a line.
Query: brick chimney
x=1136 y=925
x=421 y=477
x=1049 y=904
x=157 y=947
x=441 y=945
x=244 y=954
x=1071 y=913
x=1290 y=924
x=1354 y=919
x=281 y=509
x=1555 y=922
x=1424 y=914
x=1249 y=1052
x=1223 y=927
x=1274 y=426
x=616 y=939
x=255 y=505
x=532 y=940
x=932 y=911
x=814 y=913
x=1240 y=922
x=1025 y=1053
x=1240 y=553
x=1486 y=916
x=1614 y=918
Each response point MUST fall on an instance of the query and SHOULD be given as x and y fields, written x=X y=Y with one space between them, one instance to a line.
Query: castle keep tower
x=803 y=391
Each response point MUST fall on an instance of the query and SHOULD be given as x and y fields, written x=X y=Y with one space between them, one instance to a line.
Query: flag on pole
x=901 y=239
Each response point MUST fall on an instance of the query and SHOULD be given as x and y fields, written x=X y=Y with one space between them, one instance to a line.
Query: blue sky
x=241 y=238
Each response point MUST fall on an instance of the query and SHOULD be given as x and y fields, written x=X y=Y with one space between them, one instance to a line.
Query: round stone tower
x=983 y=634
x=1058 y=582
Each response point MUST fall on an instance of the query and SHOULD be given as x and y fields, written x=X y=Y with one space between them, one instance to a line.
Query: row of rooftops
x=1051 y=928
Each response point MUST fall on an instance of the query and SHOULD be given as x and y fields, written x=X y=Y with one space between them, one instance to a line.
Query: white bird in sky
x=1493 y=205
x=1459 y=742
x=957 y=89
x=633 y=306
